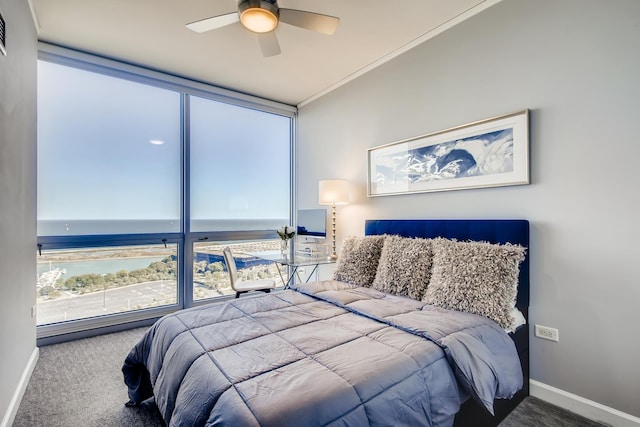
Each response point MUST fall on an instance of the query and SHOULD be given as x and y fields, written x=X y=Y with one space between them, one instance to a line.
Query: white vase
x=284 y=248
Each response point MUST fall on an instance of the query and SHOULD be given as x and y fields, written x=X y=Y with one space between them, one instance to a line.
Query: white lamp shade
x=333 y=191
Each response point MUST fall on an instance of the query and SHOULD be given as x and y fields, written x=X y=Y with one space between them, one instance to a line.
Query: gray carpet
x=533 y=412
x=80 y=383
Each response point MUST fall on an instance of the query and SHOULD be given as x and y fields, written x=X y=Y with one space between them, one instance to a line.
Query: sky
x=109 y=148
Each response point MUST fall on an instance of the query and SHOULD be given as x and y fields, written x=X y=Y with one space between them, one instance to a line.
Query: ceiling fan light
x=259 y=20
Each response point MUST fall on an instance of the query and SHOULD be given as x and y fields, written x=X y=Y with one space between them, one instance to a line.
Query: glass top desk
x=292 y=264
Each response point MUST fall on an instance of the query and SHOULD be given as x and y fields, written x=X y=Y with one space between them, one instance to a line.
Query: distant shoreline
x=83 y=227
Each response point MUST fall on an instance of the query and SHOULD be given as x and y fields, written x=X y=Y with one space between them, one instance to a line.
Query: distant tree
x=200 y=267
x=157 y=270
x=46 y=290
x=159 y=266
x=215 y=267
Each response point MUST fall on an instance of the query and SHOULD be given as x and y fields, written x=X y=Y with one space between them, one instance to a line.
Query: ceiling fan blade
x=214 y=22
x=269 y=44
x=310 y=20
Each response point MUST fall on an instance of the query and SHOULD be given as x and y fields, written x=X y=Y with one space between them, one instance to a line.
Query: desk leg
x=314 y=270
x=284 y=283
x=292 y=275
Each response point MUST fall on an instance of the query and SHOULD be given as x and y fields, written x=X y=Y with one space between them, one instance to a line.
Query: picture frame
x=3 y=35
x=488 y=153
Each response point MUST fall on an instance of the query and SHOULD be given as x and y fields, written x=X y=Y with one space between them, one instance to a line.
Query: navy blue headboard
x=487 y=230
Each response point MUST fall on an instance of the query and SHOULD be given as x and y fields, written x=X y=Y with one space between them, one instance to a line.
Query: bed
x=493 y=231
x=340 y=352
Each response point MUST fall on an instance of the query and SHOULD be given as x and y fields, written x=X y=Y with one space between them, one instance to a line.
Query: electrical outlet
x=33 y=310
x=547 y=333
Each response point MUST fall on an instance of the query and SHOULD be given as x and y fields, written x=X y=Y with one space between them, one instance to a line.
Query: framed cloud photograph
x=488 y=153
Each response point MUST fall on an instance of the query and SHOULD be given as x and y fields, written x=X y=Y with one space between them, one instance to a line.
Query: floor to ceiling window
x=143 y=179
x=239 y=165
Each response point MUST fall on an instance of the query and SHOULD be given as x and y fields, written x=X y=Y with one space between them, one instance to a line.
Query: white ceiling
x=152 y=33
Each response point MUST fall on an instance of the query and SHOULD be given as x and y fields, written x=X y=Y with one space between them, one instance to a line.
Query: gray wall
x=576 y=65
x=17 y=197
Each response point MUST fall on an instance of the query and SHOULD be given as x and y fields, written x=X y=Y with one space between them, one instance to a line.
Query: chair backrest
x=231 y=266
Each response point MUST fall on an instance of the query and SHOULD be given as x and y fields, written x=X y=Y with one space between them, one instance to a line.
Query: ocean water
x=96 y=227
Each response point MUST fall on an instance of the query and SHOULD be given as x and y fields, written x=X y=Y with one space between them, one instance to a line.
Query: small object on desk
x=311 y=249
x=284 y=248
x=285 y=233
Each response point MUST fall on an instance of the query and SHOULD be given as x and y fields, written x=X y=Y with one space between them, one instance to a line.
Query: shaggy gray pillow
x=476 y=277
x=358 y=261
x=404 y=267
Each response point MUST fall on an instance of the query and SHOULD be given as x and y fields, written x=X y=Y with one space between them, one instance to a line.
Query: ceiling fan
x=262 y=17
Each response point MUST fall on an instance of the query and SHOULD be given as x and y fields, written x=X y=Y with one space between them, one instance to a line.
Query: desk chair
x=264 y=285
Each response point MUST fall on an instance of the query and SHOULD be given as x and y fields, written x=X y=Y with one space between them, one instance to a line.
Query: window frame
x=185 y=239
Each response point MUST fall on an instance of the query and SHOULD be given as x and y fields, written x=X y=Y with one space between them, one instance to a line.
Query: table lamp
x=333 y=192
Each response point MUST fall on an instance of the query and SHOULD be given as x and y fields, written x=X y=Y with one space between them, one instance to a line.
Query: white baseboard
x=12 y=411
x=581 y=406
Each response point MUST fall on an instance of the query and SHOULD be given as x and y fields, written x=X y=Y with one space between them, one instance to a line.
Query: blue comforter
x=320 y=354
